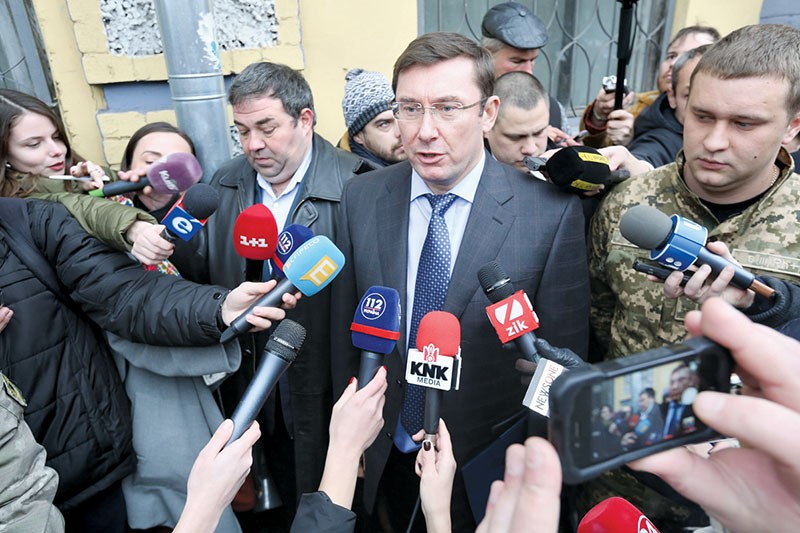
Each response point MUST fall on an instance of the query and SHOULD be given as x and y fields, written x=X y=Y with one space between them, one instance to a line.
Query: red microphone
x=435 y=363
x=615 y=515
x=255 y=237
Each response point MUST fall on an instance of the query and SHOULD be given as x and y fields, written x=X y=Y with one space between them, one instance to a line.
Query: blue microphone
x=678 y=243
x=309 y=270
x=375 y=329
x=289 y=240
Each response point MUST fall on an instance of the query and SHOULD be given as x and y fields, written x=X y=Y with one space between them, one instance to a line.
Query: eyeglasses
x=442 y=110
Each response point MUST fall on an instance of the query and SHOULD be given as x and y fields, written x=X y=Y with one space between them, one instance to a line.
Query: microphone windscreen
x=289 y=240
x=286 y=340
x=441 y=329
x=579 y=168
x=174 y=173
x=376 y=323
x=201 y=200
x=613 y=515
x=645 y=226
x=314 y=265
x=255 y=233
x=495 y=282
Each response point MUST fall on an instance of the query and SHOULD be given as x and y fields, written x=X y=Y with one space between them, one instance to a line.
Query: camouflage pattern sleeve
x=603 y=298
x=27 y=486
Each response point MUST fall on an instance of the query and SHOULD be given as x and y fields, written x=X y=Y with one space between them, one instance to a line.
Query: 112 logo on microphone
x=512 y=317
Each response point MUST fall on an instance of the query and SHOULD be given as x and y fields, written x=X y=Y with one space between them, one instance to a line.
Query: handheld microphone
x=582 y=169
x=280 y=352
x=255 y=233
x=435 y=364
x=512 y=314
x=614 y=515
x=170 y=174
x=678 y=243
x=375 y=329
x=289 y=240
x=190 y=212
x=309 y=270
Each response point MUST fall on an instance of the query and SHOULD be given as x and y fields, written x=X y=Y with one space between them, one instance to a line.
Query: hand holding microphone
x=582 y=169
x=169 y=175
x=435 y=364
x=239 y=305
x=679 y=243
x=309 y=270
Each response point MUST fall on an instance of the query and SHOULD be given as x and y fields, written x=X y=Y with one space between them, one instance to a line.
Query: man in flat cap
x=372 y=131
x=514 y=36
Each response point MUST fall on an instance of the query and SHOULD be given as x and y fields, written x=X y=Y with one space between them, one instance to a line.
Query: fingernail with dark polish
x=427 y=445
x=352 y=380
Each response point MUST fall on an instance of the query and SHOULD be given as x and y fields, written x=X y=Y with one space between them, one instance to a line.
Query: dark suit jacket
x=533 y=230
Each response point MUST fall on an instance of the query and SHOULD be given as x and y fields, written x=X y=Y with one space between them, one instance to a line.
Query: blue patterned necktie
x=430 y=290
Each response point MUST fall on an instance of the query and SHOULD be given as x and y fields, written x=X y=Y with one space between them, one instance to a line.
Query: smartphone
x=659 y=271
x=608 y=414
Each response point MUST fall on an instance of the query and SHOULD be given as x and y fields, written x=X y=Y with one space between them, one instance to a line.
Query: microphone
x=255 y=236
x=582 y=169
x=170 y=174
x=678 y=243
x=435 y=364
x=289 y=240
x=309 y=270
x=280 y=352
x=512 y=313
x=614 y=515
x=255 y=233
x=190 y=212
x=375 y=329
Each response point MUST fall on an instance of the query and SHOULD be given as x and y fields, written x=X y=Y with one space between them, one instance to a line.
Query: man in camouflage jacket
x=733 y=177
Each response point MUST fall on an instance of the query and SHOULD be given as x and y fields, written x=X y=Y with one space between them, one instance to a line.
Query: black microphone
x=280 y=352
x=189 y=214
x=581 y=169
x=497 y=286
x=678 y=243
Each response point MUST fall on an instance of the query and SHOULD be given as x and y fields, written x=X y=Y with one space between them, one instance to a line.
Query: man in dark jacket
x=299 y=176
x=658 y=130
x=63 y=286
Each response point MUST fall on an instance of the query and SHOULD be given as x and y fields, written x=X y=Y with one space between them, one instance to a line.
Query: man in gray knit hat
x=372 y=132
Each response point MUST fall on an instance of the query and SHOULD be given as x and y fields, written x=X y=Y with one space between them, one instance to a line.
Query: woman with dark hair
x=33 y=147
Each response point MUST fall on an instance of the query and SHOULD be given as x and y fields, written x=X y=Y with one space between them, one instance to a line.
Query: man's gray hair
x=264 y=79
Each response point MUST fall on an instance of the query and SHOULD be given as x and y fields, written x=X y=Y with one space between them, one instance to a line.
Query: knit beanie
x=366 y=95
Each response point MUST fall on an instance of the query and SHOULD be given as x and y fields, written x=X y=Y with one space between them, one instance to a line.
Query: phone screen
x=647 y=407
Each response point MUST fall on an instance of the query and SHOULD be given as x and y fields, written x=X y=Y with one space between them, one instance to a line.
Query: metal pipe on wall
x=188 y=33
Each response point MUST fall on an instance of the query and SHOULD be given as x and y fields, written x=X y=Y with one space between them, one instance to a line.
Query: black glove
x=563 y=356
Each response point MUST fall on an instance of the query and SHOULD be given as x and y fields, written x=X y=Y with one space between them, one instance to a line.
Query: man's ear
x=359 y=137
x=490 y=110
x=792 y=129
x=306 y=119
x=671 y=99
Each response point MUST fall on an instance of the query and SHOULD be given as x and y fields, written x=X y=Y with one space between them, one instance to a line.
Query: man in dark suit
x=444 y=104
x=678 y=415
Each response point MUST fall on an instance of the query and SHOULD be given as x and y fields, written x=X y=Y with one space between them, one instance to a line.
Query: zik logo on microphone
x=253 y=242
x=512 y=317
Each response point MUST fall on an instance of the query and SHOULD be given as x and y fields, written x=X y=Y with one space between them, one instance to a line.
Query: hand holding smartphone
x=603 y=416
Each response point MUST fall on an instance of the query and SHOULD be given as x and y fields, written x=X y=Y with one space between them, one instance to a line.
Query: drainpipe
x=188 y=33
